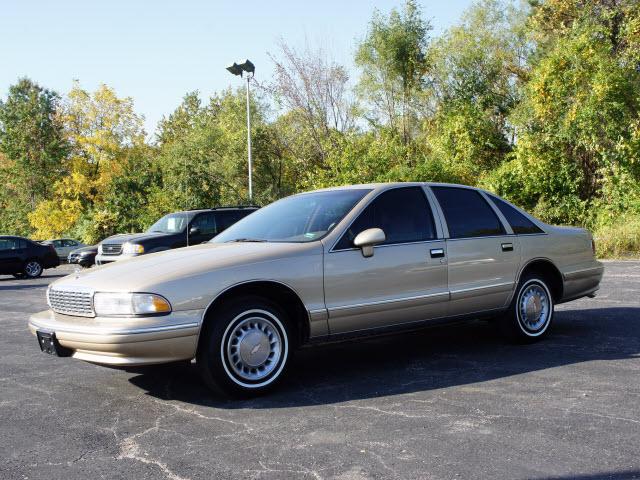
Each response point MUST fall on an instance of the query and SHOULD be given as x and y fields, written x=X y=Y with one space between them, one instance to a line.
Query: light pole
x=237 y=69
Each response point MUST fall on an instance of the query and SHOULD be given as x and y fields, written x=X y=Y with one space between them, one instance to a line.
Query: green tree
x=393 y=60
x=33 y=146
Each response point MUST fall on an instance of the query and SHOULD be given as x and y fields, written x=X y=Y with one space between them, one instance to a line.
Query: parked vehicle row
x=174 y=230
x=318 y=266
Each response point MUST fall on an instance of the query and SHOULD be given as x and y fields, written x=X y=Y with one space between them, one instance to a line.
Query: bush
x=620 y=239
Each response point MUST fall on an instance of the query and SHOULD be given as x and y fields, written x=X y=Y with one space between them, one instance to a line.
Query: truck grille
x=70 y=302
x=111 y=248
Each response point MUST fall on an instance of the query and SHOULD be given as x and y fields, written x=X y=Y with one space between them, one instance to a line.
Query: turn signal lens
x=148 y=303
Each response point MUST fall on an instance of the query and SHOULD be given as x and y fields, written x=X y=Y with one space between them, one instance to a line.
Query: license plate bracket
x=49 y=344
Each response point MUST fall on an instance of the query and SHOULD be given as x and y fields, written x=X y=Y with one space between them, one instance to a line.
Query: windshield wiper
x=256 y=240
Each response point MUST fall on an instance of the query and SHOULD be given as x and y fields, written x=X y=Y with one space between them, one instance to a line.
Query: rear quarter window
x=519 y=223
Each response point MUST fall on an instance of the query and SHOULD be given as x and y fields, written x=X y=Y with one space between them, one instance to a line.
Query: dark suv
x=179 y=229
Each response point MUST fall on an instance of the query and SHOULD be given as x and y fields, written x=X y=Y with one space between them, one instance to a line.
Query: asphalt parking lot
x=444 y=403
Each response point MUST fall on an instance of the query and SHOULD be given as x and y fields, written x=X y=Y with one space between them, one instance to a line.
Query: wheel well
x=284 y=296
x=551 y=274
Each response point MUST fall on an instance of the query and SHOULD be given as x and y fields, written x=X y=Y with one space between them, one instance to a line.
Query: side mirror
x=367 y=239
x=194 y=231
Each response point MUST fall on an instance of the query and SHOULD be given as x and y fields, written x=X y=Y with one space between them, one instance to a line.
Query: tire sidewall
x=211 y=357
x=526 y=282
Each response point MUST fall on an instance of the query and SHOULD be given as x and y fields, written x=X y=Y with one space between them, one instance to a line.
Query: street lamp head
x=248 y=67
x=235 y=69
x=238 y=68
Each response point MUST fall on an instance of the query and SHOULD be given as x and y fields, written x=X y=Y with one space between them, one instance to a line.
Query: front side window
x=403 y=214
x=467 y=213
x=519 y=223
x=9 y=244
x=300 y=218
x=172 y=223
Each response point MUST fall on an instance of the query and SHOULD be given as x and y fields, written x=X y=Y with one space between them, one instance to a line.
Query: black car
x=23 y=258
x=179 y=229
x=85 y=256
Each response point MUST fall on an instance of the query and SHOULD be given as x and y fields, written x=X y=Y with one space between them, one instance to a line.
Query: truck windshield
x=301 y=218
x=172 y=223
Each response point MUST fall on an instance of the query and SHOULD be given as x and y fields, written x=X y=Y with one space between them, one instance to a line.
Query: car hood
x=89 y=248
x=123 y=238
x=144 y=272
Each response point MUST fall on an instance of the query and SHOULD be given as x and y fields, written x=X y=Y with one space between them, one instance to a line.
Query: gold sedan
x=323 y=265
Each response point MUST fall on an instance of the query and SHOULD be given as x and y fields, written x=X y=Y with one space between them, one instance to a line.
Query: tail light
x=51 y=249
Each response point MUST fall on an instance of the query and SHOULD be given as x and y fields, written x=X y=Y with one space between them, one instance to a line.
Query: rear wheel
x=245 y=347
x=32 y=268
x=531 y=311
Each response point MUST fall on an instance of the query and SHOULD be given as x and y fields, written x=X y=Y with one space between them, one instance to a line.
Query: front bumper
x=124 y=341
x=102 y=259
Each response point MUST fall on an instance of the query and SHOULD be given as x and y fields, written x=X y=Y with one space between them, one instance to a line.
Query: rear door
x=483 y=253
x=406 y=278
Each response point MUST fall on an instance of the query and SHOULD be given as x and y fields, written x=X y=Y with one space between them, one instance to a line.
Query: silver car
x=323 y=265
x=64 y=246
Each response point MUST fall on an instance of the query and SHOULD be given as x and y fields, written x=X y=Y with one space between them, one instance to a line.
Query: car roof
x=218 y=209
x=388 y=185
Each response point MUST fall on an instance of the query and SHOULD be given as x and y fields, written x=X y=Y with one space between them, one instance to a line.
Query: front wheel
x=32 y=269
x=245 y=347
x=531 y=311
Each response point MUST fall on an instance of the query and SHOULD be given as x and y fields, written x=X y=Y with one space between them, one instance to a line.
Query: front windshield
x=300 y=218
x=172 y=223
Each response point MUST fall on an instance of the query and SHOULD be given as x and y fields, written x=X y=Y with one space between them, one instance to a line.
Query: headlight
x=129 y=248
x=109 y=304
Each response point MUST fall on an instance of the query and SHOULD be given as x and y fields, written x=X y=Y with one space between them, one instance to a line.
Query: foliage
x=32 y=146
x=539 y=102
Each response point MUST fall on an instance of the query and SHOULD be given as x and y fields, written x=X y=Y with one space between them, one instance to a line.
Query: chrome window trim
x=364 y=207
x=388 y=245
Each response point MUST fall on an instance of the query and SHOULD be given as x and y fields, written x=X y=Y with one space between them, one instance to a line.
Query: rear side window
x=402 y=213
x=519 y=223
x=467 y=213
x=226 y=219
x=206 y=222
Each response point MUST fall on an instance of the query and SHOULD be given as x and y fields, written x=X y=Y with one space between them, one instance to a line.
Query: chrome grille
x=71 y=302
x=111 y=248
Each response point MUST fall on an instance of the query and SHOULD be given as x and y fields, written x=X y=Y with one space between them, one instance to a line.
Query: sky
x=156 y=52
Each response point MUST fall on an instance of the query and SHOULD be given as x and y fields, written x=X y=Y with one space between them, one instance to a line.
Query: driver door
x=406 y=278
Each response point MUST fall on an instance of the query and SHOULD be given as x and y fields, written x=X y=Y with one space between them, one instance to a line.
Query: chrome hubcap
x=534 y=307
x=253 y=348
x=33 y=269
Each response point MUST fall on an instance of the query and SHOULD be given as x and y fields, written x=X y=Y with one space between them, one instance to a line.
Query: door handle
x=437 y=252
x=507 y=247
